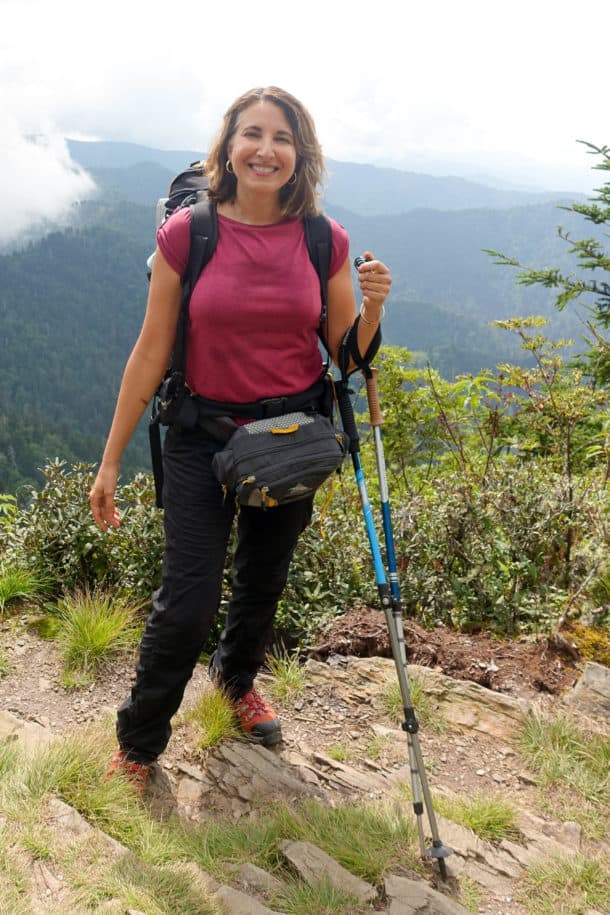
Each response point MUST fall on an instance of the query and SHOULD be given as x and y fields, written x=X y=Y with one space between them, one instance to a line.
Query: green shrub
x=598 y=592
x=495 y=553
x=8 y=510
x=56 y=536
x=331 y=569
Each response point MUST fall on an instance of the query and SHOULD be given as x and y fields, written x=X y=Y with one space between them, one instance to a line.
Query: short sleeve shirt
x=255 y=310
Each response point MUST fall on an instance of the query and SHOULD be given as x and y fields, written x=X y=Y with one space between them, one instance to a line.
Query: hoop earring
x=293 y=179
x=229 y=167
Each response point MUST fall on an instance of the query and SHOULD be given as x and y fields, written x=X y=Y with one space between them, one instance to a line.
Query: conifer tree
x=591 y=283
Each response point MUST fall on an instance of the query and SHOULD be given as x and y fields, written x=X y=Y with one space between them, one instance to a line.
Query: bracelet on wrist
x=365 y=320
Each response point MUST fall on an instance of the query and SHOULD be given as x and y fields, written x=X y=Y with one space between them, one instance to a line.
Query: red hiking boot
x=257 y=719
x=136 y=773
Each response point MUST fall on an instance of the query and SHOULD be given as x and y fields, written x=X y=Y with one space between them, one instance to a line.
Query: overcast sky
x=505 y=89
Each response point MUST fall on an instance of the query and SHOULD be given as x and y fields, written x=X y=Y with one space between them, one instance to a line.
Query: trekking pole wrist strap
x=349 y=351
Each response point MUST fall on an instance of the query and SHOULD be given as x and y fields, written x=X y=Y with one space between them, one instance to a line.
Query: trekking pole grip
x=347 y=416
x=372 y=396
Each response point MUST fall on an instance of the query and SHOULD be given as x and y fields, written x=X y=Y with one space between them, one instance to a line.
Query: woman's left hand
x=375 y=280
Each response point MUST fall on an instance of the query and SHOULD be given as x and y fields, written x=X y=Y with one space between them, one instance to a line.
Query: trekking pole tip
x=440 y=852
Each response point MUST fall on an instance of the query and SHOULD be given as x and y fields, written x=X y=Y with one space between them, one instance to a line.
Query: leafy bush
x=599 y=593
x=492 y=553
x=56 y=536
x=8 y=510
x=499 y=496
x=331 y=569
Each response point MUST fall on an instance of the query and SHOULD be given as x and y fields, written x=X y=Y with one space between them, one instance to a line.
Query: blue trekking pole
x=391 y=603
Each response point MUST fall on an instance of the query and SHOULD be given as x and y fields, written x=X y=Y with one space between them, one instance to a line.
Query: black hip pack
x=281 y=459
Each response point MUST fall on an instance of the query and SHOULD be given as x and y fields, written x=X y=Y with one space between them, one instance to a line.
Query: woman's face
x=262 y=149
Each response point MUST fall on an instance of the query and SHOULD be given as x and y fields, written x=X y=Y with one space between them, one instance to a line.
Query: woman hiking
x=254 y=317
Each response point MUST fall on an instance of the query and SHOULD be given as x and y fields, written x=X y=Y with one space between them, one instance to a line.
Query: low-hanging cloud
x=39 y=184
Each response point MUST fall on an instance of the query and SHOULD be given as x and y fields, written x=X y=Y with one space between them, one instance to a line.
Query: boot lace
x=252 y=706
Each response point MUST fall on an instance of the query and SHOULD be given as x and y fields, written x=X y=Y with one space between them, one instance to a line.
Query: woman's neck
x=252 y=210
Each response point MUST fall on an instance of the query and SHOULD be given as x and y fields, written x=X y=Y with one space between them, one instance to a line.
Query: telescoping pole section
x=391 y=603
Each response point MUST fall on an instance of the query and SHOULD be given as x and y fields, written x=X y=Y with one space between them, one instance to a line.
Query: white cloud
x=38 y=183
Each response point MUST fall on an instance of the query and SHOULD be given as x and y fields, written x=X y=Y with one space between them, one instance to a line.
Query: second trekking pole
x=391 y=603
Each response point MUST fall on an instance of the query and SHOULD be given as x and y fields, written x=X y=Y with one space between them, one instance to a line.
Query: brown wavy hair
x=298 y=199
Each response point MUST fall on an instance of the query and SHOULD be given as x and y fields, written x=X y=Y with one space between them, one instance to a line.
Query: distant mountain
x=373 y=191
x=438 y=257
x=363 y=189
x=107 y=154
x=143 y=183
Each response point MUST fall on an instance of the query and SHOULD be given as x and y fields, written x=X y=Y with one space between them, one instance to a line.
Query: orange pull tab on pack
x=285 y=429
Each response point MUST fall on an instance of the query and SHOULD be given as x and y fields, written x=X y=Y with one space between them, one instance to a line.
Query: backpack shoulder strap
x=318 y=237
x=204 y=237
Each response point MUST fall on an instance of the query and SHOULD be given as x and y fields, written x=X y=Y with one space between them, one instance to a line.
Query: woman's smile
x=262 y=148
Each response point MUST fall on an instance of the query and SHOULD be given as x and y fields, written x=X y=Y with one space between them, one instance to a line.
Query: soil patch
x=523 y=667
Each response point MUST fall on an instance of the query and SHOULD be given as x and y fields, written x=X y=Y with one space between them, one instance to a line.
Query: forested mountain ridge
x=71 y=304
x=70 y=309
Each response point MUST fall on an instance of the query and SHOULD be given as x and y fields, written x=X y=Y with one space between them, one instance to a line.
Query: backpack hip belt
x=314 y=398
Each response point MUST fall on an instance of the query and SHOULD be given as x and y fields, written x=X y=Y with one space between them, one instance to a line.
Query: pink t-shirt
x=255 y=310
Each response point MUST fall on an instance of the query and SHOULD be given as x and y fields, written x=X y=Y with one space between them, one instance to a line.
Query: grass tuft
x=19 y=583
x=377 y=747
x=470 y=894
x=427 y=713
x=576 y=764
x=217 y=845
x=339 y=752
x=38 y=842
x=9 y=755
x=366 y=840
x=567 y=886
x=213 y=718
x=91 y=627
x=145 y=887
x=318 y=899
x=289 y=676
x=489 y=817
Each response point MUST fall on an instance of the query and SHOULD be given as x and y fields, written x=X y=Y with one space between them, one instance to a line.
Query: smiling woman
x=253 y=344
x=265 y=133
x=261 y=152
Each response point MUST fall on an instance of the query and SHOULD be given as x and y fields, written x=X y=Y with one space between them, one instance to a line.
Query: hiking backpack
x=189 y=188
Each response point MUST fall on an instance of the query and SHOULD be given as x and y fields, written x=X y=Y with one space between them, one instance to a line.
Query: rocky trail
x=479 y=688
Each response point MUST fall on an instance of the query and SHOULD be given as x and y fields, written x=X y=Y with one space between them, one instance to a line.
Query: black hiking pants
x=198 y=521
